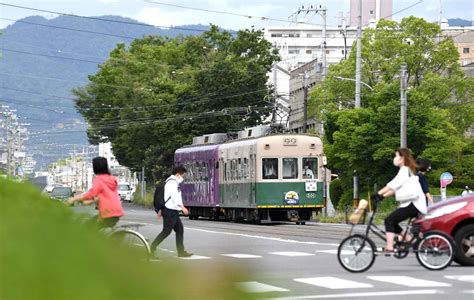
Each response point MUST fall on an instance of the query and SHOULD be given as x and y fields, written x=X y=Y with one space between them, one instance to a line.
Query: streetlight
x=351 y=79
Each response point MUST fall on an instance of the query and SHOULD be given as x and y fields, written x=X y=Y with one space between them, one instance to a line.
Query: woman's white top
x=397 y=183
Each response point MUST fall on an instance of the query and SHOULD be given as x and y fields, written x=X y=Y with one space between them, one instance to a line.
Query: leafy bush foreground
x=46 y=254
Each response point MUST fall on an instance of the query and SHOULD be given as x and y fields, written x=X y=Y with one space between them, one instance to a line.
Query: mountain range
x=44 y=59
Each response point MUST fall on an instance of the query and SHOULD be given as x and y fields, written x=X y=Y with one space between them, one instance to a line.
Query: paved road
x=291 y=261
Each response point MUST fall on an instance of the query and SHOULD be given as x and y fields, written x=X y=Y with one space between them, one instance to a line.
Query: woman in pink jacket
x=104 y=187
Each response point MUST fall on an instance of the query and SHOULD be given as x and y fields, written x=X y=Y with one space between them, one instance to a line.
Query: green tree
x=439 y=104
x=154 y=96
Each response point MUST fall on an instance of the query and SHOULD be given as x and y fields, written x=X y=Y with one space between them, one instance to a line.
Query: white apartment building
x=298 y=45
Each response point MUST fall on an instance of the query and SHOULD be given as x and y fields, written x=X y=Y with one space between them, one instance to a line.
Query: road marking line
x=261 y=237
x=360 y=295
x=465 y=278
x=468 y=292
x=138 y=223
x=241 y=255
x=333 y=283
x=346 y=252
x=292 y=253
x=195 y=257
x=166 y=250
x=257 y=287
x=409 y=281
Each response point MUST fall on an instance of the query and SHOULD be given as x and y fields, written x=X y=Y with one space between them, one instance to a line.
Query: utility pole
x=356 y=188
x=358 y=56
x=305 y=102
x=322 y=12
x=403 y=106
x=142 y=189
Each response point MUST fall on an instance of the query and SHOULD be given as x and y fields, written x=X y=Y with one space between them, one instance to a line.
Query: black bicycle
x=434 y=250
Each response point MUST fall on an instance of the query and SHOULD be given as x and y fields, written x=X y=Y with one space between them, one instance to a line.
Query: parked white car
x=125 y=192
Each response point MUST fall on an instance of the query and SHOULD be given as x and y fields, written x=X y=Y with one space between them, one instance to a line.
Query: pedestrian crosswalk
x=364 y=283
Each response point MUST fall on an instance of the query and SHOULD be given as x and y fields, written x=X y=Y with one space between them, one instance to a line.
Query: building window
x=309 y=51
x=290 y=168
x=269 y=168
x=309 y=35
x=465 y=50
x=276 y=35
x=328 y=51
x=371 y=11
x=294 y=51
x=294 y=35
x=342 y=52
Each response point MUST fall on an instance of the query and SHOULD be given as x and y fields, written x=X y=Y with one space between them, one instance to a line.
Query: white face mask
x=396 y=161
x=179 y=179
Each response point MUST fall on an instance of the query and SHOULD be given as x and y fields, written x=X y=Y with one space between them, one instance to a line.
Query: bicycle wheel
x=132 y=240
x=435 y=251
x=356 y=253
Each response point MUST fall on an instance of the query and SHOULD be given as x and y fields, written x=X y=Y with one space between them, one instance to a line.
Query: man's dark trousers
x=171 y=221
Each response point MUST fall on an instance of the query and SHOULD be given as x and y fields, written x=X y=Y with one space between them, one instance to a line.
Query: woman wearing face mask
x=403 y=160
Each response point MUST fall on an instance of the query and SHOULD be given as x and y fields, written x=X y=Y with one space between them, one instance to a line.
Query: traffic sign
x=445 y=179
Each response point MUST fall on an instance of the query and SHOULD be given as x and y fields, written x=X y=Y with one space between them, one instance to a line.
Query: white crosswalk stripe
x=257 y=287
x=333 y=283
x=292 y=253
x=409 y=281
x=465 y=278
x=241 y=255
x=195 y=257
x=334 y=251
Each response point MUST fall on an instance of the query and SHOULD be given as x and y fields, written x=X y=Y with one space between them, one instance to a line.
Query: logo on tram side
x=292 y=198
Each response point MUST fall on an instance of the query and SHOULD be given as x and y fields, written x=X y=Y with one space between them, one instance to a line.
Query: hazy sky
x=279 y=9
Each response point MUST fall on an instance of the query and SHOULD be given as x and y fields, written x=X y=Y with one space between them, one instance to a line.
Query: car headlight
x=445 y=210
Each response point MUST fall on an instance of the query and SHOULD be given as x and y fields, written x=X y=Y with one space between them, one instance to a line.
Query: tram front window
x=290 y=168
x=270 y=168
x=310 y=168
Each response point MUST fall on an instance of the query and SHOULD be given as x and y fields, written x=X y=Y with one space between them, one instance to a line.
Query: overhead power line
x=262 y=18
x=72 y=29
x=100 y=19
x=51 y=56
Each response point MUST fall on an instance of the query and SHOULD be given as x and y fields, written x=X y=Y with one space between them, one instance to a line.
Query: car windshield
x=62 y=192
x=124 y=187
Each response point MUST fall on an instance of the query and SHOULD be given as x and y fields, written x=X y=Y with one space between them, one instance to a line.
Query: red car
x=456 y=218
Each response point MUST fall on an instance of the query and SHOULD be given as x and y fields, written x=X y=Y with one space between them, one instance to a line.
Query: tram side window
x=290 y=168
x=269 y=168
x=310 y=168
x=246 y=168
x=204 y=171
x=239 y=169
x=234 y=170
x=225 y=171
x=200 y=171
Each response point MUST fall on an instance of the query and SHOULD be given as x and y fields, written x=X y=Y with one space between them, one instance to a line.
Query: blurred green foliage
x=46 y=254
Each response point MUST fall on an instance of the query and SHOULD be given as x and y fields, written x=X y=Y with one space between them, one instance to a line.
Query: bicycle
x=128 y=238
x=356 y=253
